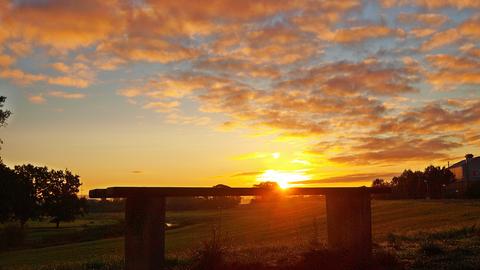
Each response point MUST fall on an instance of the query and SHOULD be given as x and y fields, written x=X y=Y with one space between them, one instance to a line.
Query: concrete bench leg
x=349 y=225
x=145 y=233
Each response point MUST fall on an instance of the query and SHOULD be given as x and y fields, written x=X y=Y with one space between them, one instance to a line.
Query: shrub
x=394 y=241
x=430 y=248
x=386 y=260
x=211 y=255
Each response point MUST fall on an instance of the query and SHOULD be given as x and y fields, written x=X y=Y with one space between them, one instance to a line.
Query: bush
x=430 y=248
x=386 y=260
x=211 y=255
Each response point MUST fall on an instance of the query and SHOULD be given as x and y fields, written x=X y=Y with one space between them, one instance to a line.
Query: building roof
x=461 y=163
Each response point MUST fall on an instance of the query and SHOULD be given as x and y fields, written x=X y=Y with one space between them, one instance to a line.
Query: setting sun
x=284 y=179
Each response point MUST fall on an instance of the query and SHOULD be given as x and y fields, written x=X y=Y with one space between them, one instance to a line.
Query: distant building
x=466 y=172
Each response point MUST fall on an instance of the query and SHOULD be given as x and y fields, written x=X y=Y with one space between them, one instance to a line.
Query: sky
x=196 y=93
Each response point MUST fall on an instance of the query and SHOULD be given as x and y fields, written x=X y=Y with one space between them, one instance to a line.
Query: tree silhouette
x=27 y=202
x=268 y=185
x=270 y=196
x=39 y=192
x=437 y=179
x=7 y=182
x=380 y=183
x=4 y=114
x=59 y=195
x=429 y=183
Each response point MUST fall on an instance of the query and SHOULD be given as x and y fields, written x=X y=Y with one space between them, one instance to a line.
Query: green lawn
x=275 y=224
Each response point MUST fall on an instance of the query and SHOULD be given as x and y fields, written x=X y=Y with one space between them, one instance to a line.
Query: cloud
x=162 y=106
x=61 y=67
x=363 y=33
x=458 y=4
x=246 y=174
x=6 y=60
x=433 y=117
x=467 y=29
x=396 y=149
x=68 y=81
x=441 y=39
x=349 y=178
x=355 y=89
x=37 y=99
x=471 y=28
x=279 y=44
x=427 y=19
x=63 y=25
x=65 y=95
x=20 y=77
x=159 y=87
x=352 y=78
x=236 y=67
x=422 y=32
x=451 y=71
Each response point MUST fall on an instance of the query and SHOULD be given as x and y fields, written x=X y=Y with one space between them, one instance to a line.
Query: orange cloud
x=37 y=99
x=292 y=68
x=362 y=33
x=372 y=150
x=458 y=4
x=271 y=45
x=352 y=78
x=68 y=81
x=60 y=67
x=6 y=60
x=453 y=71
x=20 y=77
x=429 y=19
x=238 y=68
x=66 y=95
x=446 y=61
x=441 y=39
x=64 y=24
x=471 y=28
x=422 y=32
x=361 y=177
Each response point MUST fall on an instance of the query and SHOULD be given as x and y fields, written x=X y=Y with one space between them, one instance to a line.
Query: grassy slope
x=286 y=224
x=39 y=231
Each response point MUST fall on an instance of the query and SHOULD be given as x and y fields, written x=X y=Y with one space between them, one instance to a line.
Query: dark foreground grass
x=419 y=234
x=455 y=248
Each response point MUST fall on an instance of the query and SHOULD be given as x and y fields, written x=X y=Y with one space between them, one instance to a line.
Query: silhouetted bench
x=349 y=222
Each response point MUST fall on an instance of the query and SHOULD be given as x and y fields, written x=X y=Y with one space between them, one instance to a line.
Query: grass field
x=407 y=227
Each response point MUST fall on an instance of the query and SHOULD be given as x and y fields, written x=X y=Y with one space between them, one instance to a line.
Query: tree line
x=432 y=182
x=29 y=192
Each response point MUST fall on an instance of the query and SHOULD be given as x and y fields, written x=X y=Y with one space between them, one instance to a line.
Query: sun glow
x=284 y=179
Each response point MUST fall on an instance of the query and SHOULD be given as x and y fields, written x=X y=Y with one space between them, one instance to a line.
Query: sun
x=283 y=184
x=284 y=179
